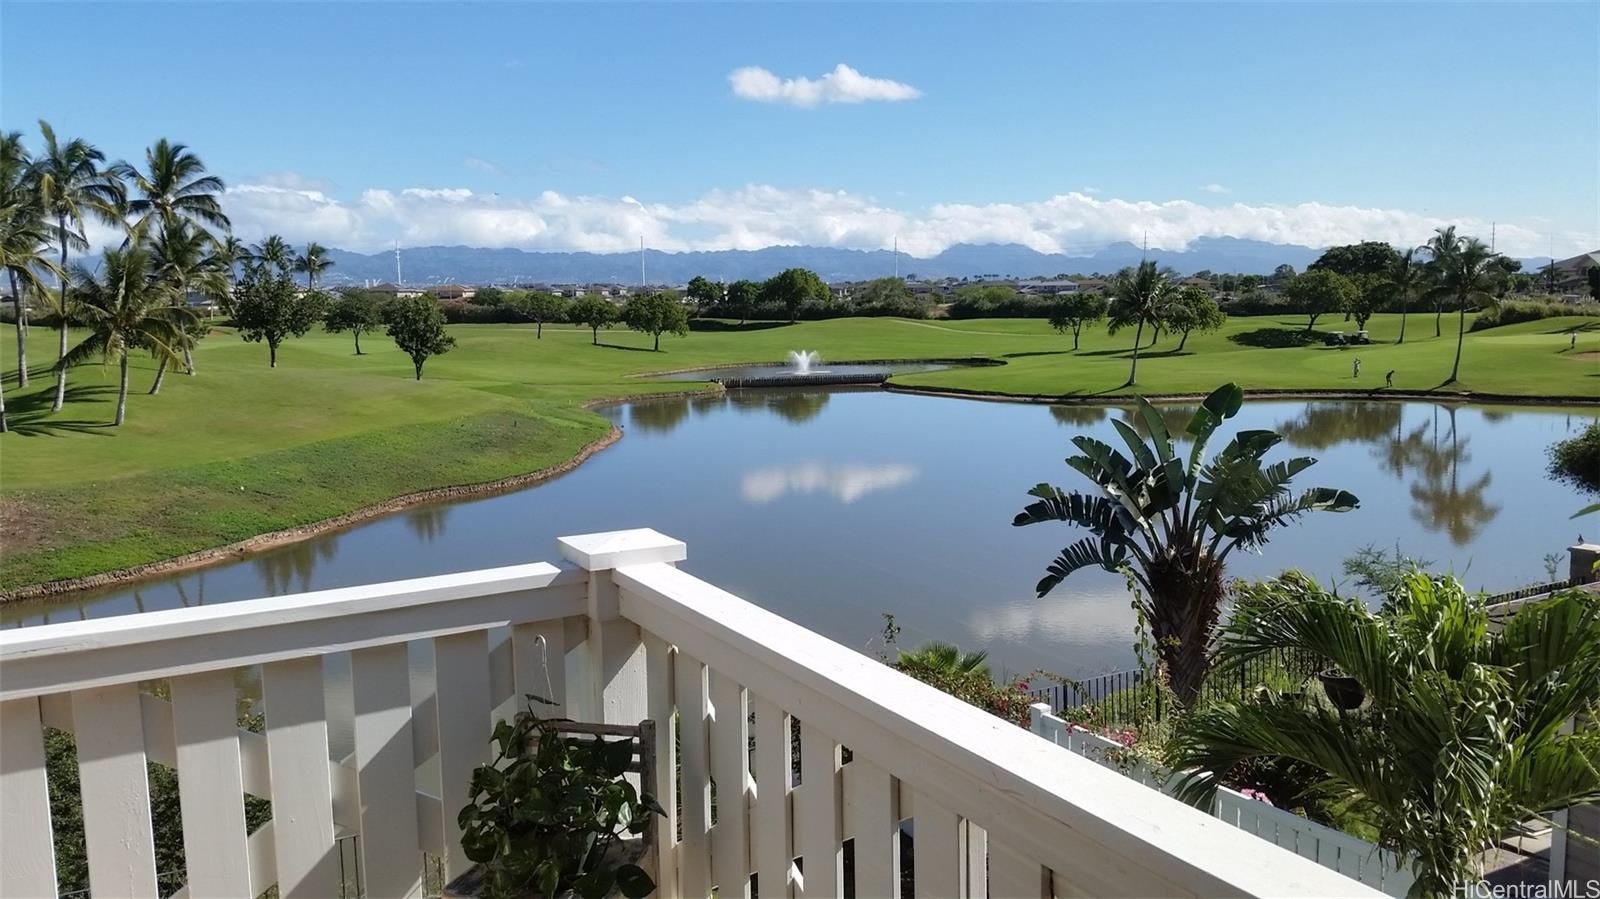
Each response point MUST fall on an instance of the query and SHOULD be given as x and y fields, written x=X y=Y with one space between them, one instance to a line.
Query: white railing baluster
x=116 y=791
x=936 y=849
x=205 y=726
x=661 y=706
x=816 y=816
x=730 y=766
x=27 y=856
x=461 y=668
x=770 y=830
x=974 y=861
x=872 y=819
x=302 y=797
x=694 y=853
x=390 y=862
x=1012 y=875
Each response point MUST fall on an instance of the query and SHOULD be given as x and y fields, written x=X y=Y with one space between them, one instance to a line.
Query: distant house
x=1572 y=275
x=396 y=292
x=1047 y=288
x=450 y=292
x=1193 y=281
x=842 y=291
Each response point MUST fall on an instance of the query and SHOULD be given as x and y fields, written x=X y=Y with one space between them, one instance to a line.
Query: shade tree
x=270 y=308
x=1193 y=309
x=1318 y=293
x=656 y=314
x=593 y=312
x=416 y=325
x=356 y=312
x=1074 y=310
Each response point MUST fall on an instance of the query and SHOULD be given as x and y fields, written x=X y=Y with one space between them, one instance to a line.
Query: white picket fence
x=1351 y=856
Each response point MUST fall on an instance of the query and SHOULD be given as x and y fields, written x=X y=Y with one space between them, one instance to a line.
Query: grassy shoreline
x=241 y=450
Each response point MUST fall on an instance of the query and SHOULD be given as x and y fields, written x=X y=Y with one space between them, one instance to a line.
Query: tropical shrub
x=1576 y=460
x=1511 y=312
x=1461 y=731
x=550 y=811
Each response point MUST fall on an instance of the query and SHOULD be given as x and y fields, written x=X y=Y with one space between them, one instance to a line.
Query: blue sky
x=1060 y=126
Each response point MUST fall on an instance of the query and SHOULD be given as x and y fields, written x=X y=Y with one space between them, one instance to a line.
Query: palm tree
x=1403 y=277
x=73 y=189
x=127 y=308
x=1139 y=296
x=1444 y=241
x=173 y=186
x=313 y=262
x=273 y=252
x=1465 y=270
x=1170 y=524
x=227 y=256
x=24 y=240
x=183 y=257
x=948 y=659
x=1458 y=736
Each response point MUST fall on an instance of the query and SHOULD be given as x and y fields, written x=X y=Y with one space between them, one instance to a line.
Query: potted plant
x=554 y=814
x=1344 y=691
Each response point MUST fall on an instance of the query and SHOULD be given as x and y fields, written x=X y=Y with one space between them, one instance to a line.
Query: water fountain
x=803 y=360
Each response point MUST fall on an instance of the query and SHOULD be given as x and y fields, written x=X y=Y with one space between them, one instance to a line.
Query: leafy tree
x=126 y=308
x=269 y=307
x=1318 y=293
x=742 y=298
x=1193 y=309
x=1370 y=257
x=707 y=294
x=73 y=188
x=1369 y=296
x=355 y=311
x=173 y=186
x=791 y=288
x=540 y=307
x=24 y=242
x=890 y=296
x=1401 y=281
x=1459 y=734
x=656 y=314
x=273 y=254
x=1139 y=297
x=1281 y=275
x=492 y=297
x=1169 y=524
x=416 y=324
x=1072 y=311
x=312 y=263
x=1465 y=270
x=593 y=312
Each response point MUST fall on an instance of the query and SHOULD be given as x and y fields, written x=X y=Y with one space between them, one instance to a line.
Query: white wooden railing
x=1349 y=855
x=616 y=634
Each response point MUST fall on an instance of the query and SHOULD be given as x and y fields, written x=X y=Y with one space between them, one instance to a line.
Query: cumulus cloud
x=842 y=85
x=845 y=483
x=757 y=216
x=1215 y=188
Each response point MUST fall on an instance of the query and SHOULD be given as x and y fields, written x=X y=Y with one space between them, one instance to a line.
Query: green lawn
x=241 y=449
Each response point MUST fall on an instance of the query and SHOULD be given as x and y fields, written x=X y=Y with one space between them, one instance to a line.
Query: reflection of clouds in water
x=1095 y=618
x=846 y=483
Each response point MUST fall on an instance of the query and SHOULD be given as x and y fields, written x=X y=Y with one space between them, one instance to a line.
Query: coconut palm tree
x=73 y=189
x=274 y=252
x=173 y=186
x=24 y=239
x=227 y=255
x=127 y=308
x=1465 y=270
x=1170 y=523
x=1139 y=297
x=312 y=263
x=1458 y=730
x=1404 y=276
x=182 y=257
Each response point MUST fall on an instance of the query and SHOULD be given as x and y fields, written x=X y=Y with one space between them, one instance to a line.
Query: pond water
x=832 y=508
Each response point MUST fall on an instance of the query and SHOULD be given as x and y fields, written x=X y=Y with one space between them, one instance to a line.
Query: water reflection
x=664 y=415
x=659 y=416
x=846 y=483
x=1440 y=501
x=799 y=407
x=1078 y=415
x=1175 y=418
x=289 y=569
x=1323 y=425
x=427 y=522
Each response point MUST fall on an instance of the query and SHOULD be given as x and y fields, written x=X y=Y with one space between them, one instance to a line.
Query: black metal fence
x=1131 y=697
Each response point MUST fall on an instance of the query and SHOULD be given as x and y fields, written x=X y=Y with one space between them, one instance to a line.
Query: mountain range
x=480 y=265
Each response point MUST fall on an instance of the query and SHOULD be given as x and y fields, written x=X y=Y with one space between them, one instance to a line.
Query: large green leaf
x=1086 y=553
x=1136 y=446
x=1160 y=437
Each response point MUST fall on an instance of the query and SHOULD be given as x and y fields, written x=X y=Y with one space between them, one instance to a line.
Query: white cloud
x=842 y=85
x=1215 y=188
x=483 y=165
x=757 y=216
x=846 y=483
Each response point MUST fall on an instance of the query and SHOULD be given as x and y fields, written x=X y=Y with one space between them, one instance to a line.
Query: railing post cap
x=613 y=549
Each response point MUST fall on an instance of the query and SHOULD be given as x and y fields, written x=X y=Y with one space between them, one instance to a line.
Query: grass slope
x=242 y=449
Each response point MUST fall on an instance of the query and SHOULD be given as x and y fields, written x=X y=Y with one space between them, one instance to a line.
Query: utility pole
x=641 y=263
x=897 y=257
x=397 y=279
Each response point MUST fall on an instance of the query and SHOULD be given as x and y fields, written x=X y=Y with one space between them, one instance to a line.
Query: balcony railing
x=412 y=674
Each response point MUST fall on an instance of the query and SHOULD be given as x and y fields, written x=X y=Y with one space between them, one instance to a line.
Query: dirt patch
x=19 y=527
x=1586 y=355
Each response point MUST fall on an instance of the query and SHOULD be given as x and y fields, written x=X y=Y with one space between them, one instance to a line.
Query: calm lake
x=833 y=508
